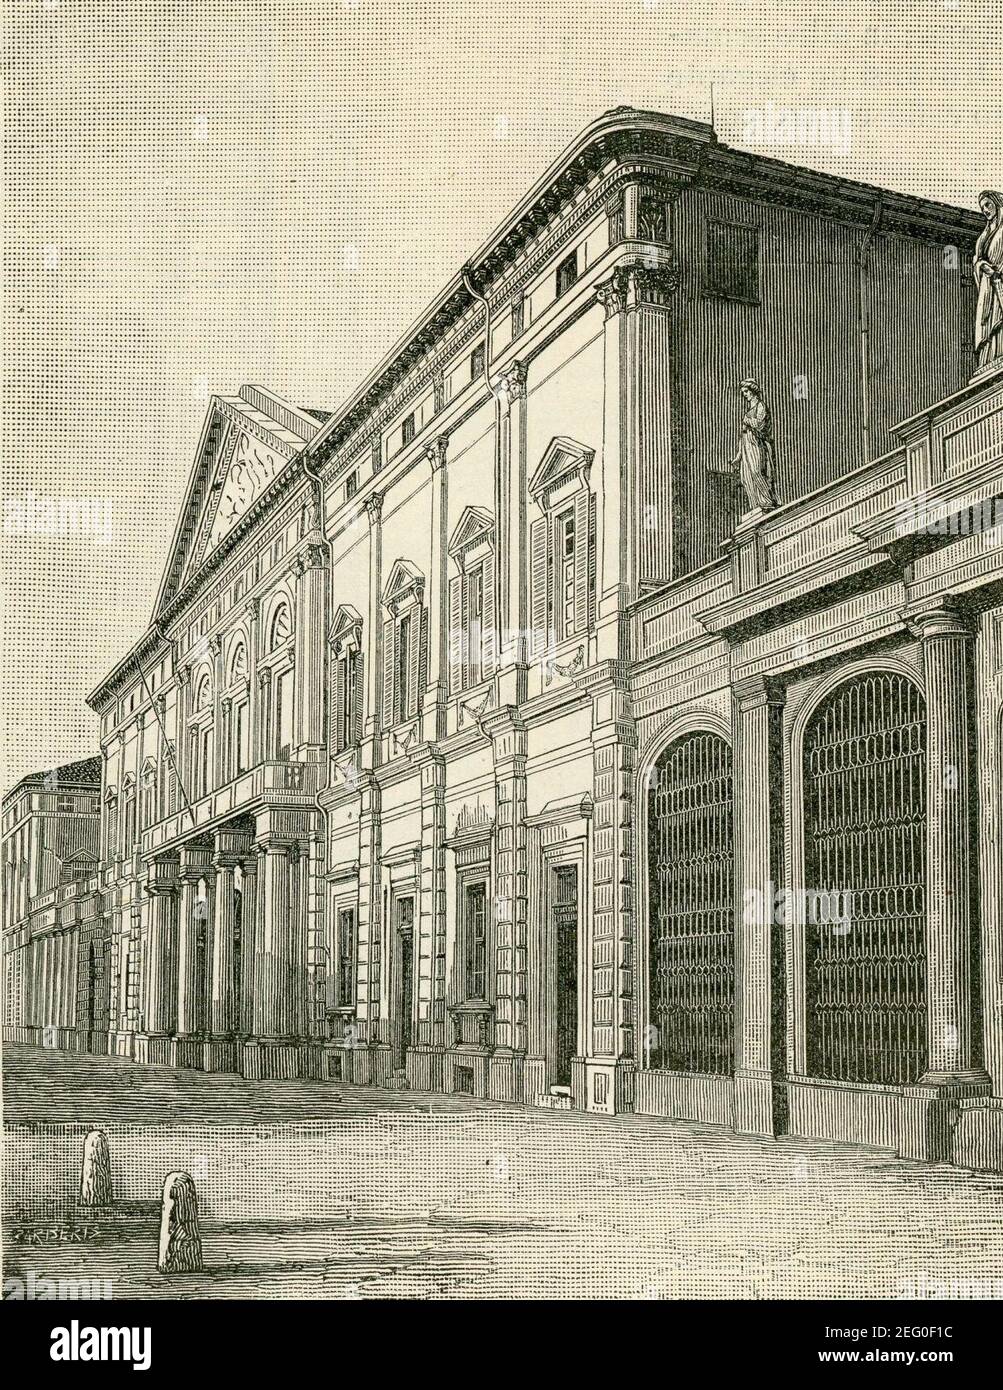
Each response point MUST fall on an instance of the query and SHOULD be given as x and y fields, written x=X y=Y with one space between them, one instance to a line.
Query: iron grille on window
x=691 y=966
x=865 y=822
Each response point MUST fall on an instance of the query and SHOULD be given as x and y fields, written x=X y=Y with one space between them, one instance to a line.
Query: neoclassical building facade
x=483 y=739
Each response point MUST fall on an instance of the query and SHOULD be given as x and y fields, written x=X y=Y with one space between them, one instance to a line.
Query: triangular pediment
x=347 y=623
x=405 y=578
x=474 y=525
x=562 y=460
x=246 y=442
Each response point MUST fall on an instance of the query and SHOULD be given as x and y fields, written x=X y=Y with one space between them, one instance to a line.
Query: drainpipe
x=315 y=478
x=864 y=320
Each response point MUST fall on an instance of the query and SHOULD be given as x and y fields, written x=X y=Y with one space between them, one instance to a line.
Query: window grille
x=691 y=857
x=865 y=873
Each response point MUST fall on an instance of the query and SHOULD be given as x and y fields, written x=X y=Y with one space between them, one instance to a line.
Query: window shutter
x=414 y=664
x=388 y=674
x=582 y=519
x=338 y=704
x=456 y=635
x=538 y=549
x=422 y=662
x=360 y=671
x=488 y=646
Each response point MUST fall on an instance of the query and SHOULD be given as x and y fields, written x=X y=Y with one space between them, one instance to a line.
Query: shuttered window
x=472 y=627
x=347 y=711
x=562 y=572
x=405 y=665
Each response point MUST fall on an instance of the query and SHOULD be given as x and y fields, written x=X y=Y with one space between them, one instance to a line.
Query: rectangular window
x=401 y=661
x=475 y=626
x=284 y=716
x=477 y=362
x=567 y=273
x=564 y=574
x=346 y=956
x=240 y=730
x=66 y=803
x=348 y=697
x=518 y=315
x=732 y=269
x=206 y=760
x=475 y=940
x=407 y=428
x=351 y=486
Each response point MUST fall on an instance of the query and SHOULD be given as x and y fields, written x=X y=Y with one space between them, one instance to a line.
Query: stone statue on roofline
x=755 y=463
x=987 y=266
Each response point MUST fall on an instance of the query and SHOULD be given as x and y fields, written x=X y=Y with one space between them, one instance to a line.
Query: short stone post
x=180 y=1243
x=95 y=1172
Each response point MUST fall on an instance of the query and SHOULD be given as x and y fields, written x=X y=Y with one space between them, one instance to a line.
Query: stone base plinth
x=506 y=1078
x=156 y=1049
x=685 y=1096
x=423 y=1067
x=465 y=1071
x=268 y=1059
x=977 y=1135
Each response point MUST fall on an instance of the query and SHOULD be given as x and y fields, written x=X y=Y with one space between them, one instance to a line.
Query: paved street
x=318 y=1190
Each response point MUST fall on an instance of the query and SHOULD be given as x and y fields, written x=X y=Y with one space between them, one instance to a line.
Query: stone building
x=483 y=739
x=53 y=939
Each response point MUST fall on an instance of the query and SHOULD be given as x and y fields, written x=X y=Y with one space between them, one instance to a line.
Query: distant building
x=54 y=931
x=485 y=738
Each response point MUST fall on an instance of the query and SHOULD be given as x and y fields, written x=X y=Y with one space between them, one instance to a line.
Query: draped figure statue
x=756 y=462
x=987 y=266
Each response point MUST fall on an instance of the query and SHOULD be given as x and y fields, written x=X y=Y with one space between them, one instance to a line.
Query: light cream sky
x=204 y=194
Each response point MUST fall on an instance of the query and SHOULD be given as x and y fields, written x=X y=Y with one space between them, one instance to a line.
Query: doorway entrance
x=564 y=921
x=404 y=976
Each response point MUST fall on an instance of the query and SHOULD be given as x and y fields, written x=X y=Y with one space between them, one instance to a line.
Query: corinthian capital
x=436 y=451
x=374 y=508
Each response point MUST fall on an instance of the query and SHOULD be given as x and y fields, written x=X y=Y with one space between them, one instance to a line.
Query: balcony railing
x=271 y=783
x=473 y=1024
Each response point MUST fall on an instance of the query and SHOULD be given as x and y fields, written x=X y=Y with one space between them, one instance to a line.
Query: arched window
x=238 y=664
x=865 y=880
x=691 y=907
x=203 y=692
x=282 y=627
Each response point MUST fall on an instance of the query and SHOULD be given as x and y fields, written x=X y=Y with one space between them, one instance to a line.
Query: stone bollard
x=180 y=1243
x=95 y=1173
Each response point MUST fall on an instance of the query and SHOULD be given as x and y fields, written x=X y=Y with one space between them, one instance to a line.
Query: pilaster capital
x=215 y=646
x=252 y=608
x=225 y=861
x=513 y=381
x=635 y=284
x=264 y=677
x=374 y=508
x=436 y=452
x=755 y=692
x=943 y=616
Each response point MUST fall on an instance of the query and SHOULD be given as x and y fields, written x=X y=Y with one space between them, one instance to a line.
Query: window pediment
x=475 y=528
x=346 y=630
x=564 y=461
x=405 y=586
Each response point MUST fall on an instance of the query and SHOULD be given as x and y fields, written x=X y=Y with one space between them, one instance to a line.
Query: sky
x=199 y=195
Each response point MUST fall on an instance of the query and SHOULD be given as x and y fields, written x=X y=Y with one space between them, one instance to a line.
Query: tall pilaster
x=609 y=1060
x=946 y=639
x=635 y=528
x=193 y=922
x=437 y=689
x=248 y=936
x=512 y=534
x=272 y=948
x=311 y=580
x=160 y=1005
x=511 y=896
x=222 y=1004
x=760 y=1096
x=374 y=629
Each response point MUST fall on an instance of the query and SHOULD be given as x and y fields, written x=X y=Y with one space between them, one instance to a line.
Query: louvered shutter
x=488 y=639
x=388 y=674
x=413 y=663
x=338 y=707
x=539 y=606
x=357 y=703
x=456 y=635
x=582 y=519
x=422 y=662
